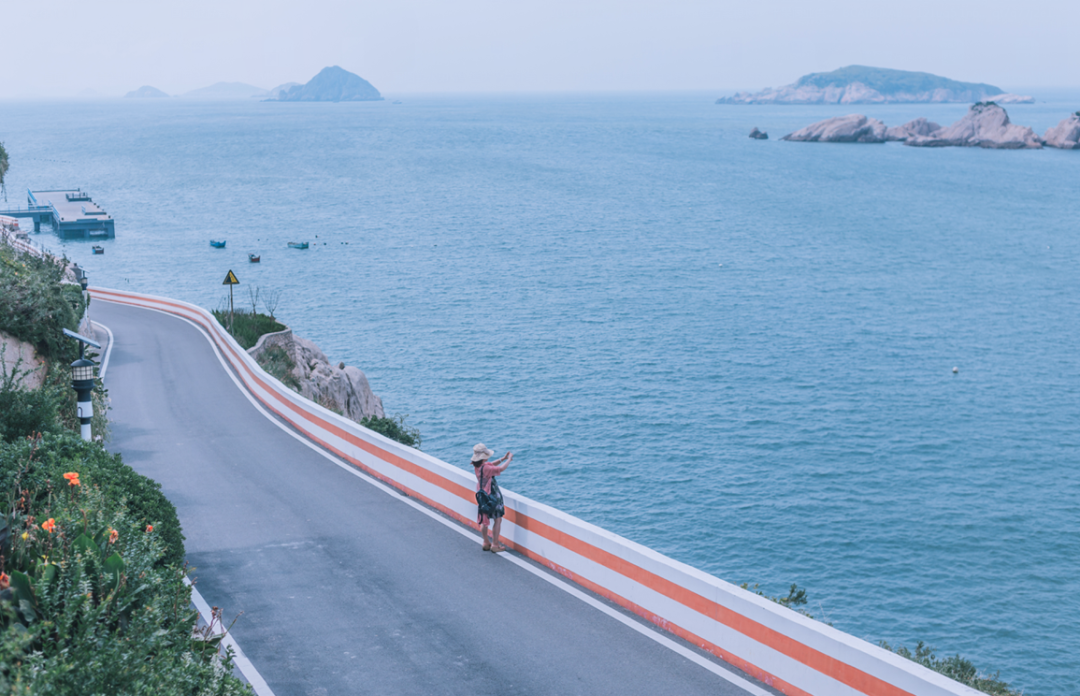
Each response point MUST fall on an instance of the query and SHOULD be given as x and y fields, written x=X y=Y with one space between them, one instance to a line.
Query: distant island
x=332 y=84
x=859 y=84
x=227 y=90
x=146 y=92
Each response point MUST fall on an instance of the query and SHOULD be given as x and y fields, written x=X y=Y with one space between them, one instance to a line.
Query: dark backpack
x=489 y=503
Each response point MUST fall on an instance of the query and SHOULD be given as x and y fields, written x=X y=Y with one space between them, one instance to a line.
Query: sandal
x=497 y=548
x=486 y=546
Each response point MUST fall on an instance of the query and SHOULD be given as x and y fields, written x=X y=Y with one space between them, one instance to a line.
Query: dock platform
x=71 y=213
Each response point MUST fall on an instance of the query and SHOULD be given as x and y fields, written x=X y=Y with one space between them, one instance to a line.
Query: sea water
x=737 y=352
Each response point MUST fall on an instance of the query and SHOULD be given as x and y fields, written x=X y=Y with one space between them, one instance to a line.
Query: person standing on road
x=485 y=479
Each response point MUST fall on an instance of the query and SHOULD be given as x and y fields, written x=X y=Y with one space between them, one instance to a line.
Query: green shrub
x=92 y=610
x=36 y=307
x=395 y=428
x=39 y=465
x=956 y=668
x=24 y=412
x=277 y=362
x=3 y=165
x=247 y=327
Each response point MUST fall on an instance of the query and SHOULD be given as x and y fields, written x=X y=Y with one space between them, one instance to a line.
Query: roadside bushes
x=35 y=306
x=37 y=465
x=395 y=428
x=956 y=668
x=247 y=327
x=87 y=605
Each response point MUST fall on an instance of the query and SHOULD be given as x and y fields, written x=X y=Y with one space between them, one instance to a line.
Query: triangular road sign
x=230 y=279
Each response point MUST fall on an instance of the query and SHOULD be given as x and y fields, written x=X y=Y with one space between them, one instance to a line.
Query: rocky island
x=859 y=84
x=145 y=92
x=985 y=125
x=1065 y=135
x=332 y=84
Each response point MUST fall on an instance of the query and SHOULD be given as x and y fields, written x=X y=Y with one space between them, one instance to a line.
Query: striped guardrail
x=784 y=649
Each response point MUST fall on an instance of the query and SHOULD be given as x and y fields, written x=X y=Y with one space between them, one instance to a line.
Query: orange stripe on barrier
x=815 y=659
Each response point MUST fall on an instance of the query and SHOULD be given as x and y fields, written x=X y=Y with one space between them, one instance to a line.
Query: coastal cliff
x=859 y=84
x=302 y=366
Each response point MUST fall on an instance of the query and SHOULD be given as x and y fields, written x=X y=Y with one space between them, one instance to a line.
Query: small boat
x=298 y=245
x=253 y=258
x=97 y=249
x=217 y=245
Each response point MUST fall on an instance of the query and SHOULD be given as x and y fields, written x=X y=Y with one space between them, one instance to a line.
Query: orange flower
x=149 y=528
x=72 y=478
x=5 y=581
x=113 y=536
x=48 y=525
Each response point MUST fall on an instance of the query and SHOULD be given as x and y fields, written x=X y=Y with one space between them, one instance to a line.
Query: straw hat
x=480 y=452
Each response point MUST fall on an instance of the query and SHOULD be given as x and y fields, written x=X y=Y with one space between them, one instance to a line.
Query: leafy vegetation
x=956 y=668
x=247 y=327
x=889 y=81
x=4 y=164
x=395 y=428
x=87 y=605
x=278 y=363
x=35 y=306
x=24 y=412
x=38 y=464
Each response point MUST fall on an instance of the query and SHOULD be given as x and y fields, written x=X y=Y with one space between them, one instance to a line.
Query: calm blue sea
x=739 y=353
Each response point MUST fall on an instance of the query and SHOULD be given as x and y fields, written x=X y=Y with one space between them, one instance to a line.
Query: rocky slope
x=333 y=84
x=859 y=84
x=984 y=125
x=340 y=388
x=1065 y=135
x=854 y=128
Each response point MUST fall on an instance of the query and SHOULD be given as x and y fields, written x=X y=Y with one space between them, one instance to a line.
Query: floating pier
x=71 y=213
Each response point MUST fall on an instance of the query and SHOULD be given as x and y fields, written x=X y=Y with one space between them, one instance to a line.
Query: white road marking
x=239 y=658
x=644 y=630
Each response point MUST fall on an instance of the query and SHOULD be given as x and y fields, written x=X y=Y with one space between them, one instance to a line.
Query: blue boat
x=217 y=245
x=298 y=245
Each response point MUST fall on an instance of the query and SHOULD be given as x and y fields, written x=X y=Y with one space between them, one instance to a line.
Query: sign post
x=230 y=280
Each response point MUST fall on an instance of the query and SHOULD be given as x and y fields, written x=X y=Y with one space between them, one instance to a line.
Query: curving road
x=348 y=589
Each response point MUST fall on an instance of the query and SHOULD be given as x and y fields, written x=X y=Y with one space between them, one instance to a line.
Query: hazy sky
x=60 y=47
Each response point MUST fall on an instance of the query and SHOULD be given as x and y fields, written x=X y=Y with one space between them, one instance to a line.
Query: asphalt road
x=345 y=589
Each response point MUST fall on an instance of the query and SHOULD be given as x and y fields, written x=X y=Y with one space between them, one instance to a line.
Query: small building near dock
x=71 y=213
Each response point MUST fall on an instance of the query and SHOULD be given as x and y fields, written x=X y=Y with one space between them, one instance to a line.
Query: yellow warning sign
x=230 y=279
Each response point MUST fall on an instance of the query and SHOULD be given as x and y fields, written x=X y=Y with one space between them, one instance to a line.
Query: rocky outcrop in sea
x=340 y=388
x=919 y=126
x=854 y=128
x=759 y=135
x=984 y=125
x=1065 y=135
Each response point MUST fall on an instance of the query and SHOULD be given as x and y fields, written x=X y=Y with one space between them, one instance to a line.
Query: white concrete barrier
x=782 y=648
